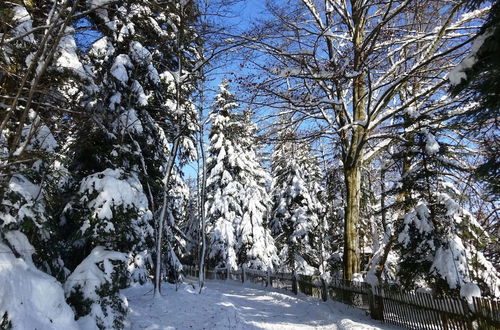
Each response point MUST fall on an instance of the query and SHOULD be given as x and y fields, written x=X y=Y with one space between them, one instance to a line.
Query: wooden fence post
x=228 y=272
x=376 y=303
x=268 y=282
x=344 y=292
x=444 y=320
x=242 y=273
x=324 y=291
x=467 y=314
x=294 y=283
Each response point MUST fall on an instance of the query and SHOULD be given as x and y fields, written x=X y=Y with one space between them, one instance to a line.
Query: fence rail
x=412 y=310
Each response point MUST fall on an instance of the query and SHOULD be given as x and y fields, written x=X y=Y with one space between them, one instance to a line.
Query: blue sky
x=243 y=14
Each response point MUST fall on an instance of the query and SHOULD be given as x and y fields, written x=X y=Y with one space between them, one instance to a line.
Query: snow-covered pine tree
x=142 y=62
x=255 y=247
x=333 y=199
x=223 y=201
x=476 y=80
x=296 y=211
x=42 y=92
x=39 y=74
x=438 y=242
x=140 y=121
x=236 y=190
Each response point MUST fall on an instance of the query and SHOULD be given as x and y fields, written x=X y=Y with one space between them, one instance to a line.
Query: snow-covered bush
x=110 y=209
x=114 y=208
x=29 y=298
x=26 y=205
x=139 y=265
x=93 y=290
x=439 y=249
x=22 y=204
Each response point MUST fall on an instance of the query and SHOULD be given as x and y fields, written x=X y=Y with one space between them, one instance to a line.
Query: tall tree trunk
x=351 y=237
x=382 y=197
x=173 y=155
x=201 y=279
x=161 y=219
x=354 y=154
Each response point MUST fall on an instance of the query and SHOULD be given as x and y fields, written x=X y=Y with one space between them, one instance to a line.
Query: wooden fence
x=421 y=310
x=487 y=313
x=412 y=310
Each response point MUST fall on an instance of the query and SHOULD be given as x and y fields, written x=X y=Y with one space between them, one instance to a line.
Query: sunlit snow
x=231 y=305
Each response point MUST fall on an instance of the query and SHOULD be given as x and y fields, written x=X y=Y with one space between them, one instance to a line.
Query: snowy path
x=230 y=305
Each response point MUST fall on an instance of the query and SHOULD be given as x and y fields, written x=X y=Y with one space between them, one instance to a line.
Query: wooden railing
x=412 y=310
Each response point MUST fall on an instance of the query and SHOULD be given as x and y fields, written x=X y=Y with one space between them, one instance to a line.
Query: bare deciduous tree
x=347 y=69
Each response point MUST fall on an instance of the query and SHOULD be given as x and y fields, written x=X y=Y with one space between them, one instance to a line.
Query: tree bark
x=161 y=219
x=351 y=238
x=354 y=154
x=201 y=279
x=202 y=191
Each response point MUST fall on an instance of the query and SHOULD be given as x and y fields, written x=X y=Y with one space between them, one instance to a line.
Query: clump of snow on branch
x=458 y=73
x=93 y=285
x=108 y=192
x=29 y=298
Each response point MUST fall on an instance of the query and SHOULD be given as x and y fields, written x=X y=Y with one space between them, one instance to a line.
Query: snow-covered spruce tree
x=191 y=225
x=223 y=201
x=140 y=121
x=296 y=211
x=255 y=247
x=438 y=242
x=476 y=79
x=334 y=202
x=40 y=73
x=236 y=193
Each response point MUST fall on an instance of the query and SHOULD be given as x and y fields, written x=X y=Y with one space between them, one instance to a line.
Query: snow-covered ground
x=230 y=305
